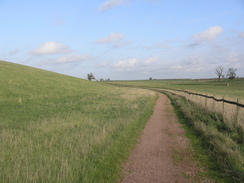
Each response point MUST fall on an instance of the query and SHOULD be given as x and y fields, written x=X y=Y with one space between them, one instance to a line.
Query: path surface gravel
x=163 y=153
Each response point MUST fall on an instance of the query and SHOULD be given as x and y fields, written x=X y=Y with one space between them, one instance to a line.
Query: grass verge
x=216 y=146
x=110 y=164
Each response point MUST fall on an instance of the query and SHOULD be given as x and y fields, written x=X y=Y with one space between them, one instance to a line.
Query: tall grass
x=222 y=141
x=56 y=128
x=217 y=125
x=232 y=114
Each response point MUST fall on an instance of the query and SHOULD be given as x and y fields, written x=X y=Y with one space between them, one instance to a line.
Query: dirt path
x=163 y=153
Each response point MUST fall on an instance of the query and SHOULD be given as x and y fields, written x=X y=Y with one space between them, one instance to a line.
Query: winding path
x=163 y=153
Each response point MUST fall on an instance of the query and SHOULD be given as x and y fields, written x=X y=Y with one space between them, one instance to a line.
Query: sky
x=124 y=39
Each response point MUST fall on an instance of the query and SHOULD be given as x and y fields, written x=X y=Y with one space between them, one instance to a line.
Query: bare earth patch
x=163 y=153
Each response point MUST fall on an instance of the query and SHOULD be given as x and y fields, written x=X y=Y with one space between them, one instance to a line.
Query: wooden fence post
x=206 y=101
x=223 y=105
x=237 y=111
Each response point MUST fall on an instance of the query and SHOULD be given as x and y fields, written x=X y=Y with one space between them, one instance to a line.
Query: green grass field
x=216 y=127
x=57 y=128
x=233 y=89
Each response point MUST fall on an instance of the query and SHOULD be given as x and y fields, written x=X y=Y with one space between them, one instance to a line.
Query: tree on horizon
x=219 y=71
x=231 y=74
x=90 y=77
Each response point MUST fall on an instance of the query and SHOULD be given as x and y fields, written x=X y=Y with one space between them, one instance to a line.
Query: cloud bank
x=111 y=4
x=209 y=34
x=126 y=64
x=112 y=38
x=151 y=60
x=241 y=35
x=49 y=48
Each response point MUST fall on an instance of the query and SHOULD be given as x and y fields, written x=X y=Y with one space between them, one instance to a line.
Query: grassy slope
x=56 y=128
x=234 y=90
x=221 y=140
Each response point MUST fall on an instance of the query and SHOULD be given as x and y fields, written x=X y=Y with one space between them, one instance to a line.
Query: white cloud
x=241 y=34
x=113 y=3
x=50 y=47
x=72 y=58
x=209 y=34
x=112 y=38
x=127 y=63
x=151 y=60
x=110 y=4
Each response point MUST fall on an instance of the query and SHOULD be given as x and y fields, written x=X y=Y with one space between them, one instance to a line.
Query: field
x=218 y=126
x=228 y=88
x=56 y=128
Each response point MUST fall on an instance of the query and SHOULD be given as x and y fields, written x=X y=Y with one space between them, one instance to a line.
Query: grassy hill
x=57 y=128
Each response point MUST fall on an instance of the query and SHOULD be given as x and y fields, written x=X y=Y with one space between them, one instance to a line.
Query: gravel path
x=163 y=153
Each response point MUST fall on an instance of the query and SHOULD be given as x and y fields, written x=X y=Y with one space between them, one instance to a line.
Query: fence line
x=211 y=97
x=232 y=111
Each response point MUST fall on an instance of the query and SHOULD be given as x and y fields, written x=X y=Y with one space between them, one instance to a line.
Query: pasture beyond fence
x=232 y=111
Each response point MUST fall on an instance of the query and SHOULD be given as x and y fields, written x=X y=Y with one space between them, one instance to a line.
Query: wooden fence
x=232 y=111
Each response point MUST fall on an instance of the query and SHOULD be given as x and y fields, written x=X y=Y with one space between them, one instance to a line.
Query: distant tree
x=150 y=78
x=101 y=79
x=219 y=71
x=90 y=77
x=231 y=74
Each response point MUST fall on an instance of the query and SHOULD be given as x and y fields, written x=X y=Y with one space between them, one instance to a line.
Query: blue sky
x=124 y=39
